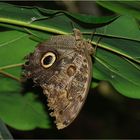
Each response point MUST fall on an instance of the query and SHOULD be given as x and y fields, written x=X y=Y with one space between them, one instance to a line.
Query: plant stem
x=11 y=66
x=9 y=75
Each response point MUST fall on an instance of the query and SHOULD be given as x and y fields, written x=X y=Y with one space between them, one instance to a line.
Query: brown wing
x=67 y=90
x=66 y=83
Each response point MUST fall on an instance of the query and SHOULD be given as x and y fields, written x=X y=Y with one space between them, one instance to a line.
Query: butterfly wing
x=68 y=90
x=66 y=83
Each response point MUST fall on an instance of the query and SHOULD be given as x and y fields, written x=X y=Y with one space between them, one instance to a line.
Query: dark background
x=106 y=113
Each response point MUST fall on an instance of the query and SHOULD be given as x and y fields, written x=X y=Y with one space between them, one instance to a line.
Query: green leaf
x=22 y=112
x=122 y=7
x=4 y=132
x=118 y=71
x=14 y=46
x=128 y=30
x=117 y=58
x=42 y=19
x=19 y=111
x=83 y=18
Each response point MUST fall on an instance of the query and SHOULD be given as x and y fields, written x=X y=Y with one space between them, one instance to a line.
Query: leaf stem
x=30 y=25
x=9 y=75
x=11 y=66
x=116 y=52
x=49 y=29
x=109 y=36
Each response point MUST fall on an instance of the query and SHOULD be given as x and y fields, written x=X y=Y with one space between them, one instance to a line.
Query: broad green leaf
x=128 y=30
x=118 y=71
x=17 y=110
x=4 y=132
x=118 y=58
x=123 y=7
x=14 y=46
x=88 y=19
x=41 y=19
x=23 y=112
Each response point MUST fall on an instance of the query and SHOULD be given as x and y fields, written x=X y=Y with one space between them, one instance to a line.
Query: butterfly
x=62 y=66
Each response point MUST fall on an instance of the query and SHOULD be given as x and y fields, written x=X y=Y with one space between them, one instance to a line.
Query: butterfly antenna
x=72 y=25
x=92 y=35
x=99 y=39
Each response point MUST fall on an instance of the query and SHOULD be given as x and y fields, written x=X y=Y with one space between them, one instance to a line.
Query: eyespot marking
x=71 y=70
x=48 y=59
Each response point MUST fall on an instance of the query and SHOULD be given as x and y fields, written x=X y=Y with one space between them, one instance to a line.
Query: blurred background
x=106 y=113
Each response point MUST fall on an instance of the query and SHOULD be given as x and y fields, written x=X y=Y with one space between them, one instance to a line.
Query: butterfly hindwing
x=62 y=67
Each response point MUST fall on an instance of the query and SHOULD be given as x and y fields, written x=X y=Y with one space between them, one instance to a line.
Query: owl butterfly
x=62 y=66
